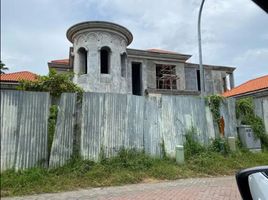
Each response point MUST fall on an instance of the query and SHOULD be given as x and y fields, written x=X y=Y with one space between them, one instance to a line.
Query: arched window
x=123 y=64
x=105 y=60
x=82 y=53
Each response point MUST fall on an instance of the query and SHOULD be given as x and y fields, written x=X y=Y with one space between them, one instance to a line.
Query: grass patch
x=129 y=166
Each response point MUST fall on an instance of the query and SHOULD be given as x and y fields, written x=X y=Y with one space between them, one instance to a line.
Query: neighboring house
x=11 y=80
x=102 y=62
x=61 y=66
x=256 y=88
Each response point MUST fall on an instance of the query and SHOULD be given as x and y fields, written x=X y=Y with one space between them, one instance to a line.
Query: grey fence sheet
x=92 y=125
x=23 y=129
x=152 y=133
x=261 y=109
x=135 y=122
x=62 y=145
x=9 y=128
x=227 y=110
x=112 y=121
x=114 y=126
x=265 y=113
x=108 y=123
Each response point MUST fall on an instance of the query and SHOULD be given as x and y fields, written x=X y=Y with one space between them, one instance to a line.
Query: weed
x=129 y=166
x=163 y=149
x=51 y=126
x=192 y=146
x=220 y=145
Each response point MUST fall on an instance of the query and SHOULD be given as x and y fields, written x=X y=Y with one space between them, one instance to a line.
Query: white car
x=258 y=185
x=253 y=183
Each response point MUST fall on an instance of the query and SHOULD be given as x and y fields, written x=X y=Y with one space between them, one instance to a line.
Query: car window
x=266 y=173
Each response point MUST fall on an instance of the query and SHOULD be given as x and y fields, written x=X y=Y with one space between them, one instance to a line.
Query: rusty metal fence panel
x=62 y=145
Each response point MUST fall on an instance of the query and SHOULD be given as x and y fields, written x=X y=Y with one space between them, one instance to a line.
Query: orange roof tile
x=161 y=51
x=62 y=61
x=17 y=76
x=249 y=86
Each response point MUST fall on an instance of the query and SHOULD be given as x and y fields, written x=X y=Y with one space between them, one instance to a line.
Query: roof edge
x=99 y=24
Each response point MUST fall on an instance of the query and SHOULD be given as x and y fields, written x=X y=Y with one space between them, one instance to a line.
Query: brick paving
x=221 y=188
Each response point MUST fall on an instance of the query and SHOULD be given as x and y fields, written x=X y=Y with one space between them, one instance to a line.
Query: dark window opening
x=224 y=80
x=166 y=77
x=198 y=80
x=105 y=60
x=82 y=53
x=136 y=79
x=123 y=64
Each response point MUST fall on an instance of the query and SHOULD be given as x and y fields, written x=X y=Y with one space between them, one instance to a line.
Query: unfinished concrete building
x=102 y=62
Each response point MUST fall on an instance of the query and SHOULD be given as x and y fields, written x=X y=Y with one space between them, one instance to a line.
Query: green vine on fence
x=52 y=126
x=214 y=102
x=245 y=113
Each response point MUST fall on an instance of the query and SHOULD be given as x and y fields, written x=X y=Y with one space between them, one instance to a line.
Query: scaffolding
x=166 y=77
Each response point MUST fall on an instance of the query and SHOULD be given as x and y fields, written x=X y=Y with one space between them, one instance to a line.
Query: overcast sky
x=234 y=32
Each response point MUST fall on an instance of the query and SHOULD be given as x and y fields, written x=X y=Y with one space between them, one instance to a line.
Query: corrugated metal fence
x=23 y=129
x=62 y=146
x=261 y=109
x=112 y=121
x=108 y=122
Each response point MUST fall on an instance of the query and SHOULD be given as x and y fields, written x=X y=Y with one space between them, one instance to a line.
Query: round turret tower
x=99 y=56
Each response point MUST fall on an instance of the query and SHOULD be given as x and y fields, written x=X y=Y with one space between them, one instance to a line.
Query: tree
x=53 y=82
x=2 y=67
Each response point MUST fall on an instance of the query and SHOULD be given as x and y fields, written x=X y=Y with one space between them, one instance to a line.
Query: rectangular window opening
x=166 y=77
x=105 y=60
x=136 y=79
x=198 y=80
x=123 y=59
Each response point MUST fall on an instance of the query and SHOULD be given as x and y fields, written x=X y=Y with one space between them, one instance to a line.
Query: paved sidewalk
x=222 y=188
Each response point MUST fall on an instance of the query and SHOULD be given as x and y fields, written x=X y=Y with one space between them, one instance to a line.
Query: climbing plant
x=214 y=102
x=51 y=126
x=245 y=113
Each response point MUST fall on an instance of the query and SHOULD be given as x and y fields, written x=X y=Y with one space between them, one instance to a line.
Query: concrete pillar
x=231 y=142
x=179 y=154
x=231 y=80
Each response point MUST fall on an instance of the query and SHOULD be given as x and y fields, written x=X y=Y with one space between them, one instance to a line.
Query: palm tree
x=2 y=67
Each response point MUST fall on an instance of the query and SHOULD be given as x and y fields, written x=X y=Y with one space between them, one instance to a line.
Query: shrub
x=192 y=146
x=220 y=145
x=54 y=83
x=245 y=112
x=131 y=159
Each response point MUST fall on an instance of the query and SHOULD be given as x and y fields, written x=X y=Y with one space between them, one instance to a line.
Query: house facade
x=102 y=62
